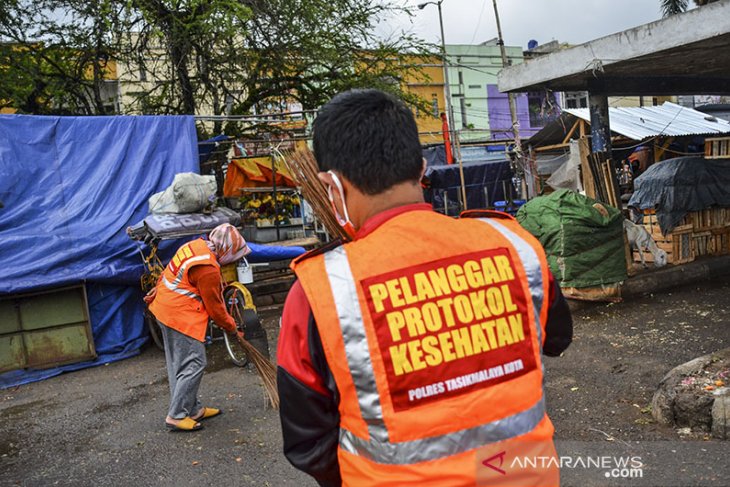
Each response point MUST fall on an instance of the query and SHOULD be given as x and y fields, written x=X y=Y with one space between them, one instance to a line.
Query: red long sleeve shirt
x=207 y=279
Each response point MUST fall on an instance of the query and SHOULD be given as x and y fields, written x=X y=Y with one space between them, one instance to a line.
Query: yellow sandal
x=185 y=424
x=209 y=413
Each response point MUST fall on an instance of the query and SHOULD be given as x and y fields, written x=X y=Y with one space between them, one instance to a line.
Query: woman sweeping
x=187 y=295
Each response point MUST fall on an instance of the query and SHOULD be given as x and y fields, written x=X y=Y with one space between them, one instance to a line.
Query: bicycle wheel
x=239 y=303
x=235 y=351
x=154 y=329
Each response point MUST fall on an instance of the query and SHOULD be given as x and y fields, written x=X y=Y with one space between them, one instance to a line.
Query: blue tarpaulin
x=486 y=182
x=70 y=186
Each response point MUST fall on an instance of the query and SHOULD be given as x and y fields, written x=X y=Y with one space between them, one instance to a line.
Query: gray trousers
x=186 y=362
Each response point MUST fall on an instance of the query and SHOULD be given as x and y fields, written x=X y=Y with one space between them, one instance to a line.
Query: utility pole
x=519 y=161
x=455 y=148
x=449 y=105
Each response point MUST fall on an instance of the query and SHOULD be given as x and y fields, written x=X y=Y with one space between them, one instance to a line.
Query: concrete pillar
x=600 y=129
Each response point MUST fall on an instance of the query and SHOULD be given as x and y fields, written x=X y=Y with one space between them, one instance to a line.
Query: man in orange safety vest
x=412 y=354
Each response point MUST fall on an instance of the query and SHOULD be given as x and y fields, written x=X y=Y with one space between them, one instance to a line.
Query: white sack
x=188 y=193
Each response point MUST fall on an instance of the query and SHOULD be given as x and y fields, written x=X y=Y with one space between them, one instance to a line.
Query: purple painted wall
x=530 y=113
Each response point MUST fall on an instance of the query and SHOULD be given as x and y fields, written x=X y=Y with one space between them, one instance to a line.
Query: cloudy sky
x=573 y=21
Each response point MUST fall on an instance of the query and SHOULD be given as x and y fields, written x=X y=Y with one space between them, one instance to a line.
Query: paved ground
x=103 y=426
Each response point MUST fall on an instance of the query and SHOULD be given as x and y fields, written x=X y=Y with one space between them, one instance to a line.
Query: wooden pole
x=589 y=183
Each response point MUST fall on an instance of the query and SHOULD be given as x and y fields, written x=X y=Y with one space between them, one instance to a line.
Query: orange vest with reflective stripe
x=178 y=303
x=432 y=328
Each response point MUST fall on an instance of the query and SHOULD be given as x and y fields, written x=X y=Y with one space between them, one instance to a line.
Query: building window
x=475 y=87
x=461 y=78
x=576 y=99
x=434 y=105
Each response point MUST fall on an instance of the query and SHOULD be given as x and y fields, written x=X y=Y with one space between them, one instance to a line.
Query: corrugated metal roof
x=639 y=123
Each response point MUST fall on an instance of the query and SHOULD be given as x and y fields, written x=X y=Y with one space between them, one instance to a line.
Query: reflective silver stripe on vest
x=356 y=344
x=172 y=287
x=531 y=262
x=435 y=447
x=185 y=265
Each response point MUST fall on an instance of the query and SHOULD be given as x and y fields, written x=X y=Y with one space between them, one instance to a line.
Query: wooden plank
x=717 y=148
x=552 y=147
x=612 y=184
x=628 y=254
x=597 y=171
x=682 y=229
x=571 y=132
x=589 y=185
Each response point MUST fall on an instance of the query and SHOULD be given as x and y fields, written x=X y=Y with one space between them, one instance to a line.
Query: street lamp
x=447 y=86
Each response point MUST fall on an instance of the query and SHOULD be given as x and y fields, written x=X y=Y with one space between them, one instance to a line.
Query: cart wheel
x=240 y=305
x=154 y=329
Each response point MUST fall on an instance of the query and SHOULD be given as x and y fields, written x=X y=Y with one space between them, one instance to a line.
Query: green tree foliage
x=199 y=56
x=54 y=55
x=672 y=7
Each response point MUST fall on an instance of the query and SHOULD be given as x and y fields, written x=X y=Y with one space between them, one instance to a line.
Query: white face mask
x=343 y=221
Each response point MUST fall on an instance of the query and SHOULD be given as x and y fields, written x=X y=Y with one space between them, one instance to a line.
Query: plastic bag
x=188 y=193
x=567 y=176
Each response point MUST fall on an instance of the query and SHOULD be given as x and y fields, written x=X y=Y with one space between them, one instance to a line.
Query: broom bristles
x=265 y=369
x=304 y=168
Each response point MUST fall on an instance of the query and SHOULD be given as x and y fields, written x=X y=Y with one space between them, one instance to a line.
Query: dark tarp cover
x=436 y=155
x=206 y=147
x=485 y=182
x=584 y=247
x=70 y=187
x=678 y=186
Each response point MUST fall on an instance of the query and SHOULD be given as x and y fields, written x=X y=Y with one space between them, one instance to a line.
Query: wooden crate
x=701 y=243
x=713 y=218
x=682 y=247
x=677 y=247
x=717 y=148
x=705 y=232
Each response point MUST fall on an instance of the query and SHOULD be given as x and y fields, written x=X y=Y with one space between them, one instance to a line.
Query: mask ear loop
x=342 y=198
x=344 y=223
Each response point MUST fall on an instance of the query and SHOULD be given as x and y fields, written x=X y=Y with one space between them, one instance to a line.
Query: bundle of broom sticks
x=304 y=169
x=265 y=369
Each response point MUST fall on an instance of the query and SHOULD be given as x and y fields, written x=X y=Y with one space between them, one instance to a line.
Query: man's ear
x=326 y=178
x=331 y=187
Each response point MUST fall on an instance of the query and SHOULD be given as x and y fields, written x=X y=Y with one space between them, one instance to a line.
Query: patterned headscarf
x=226 y=242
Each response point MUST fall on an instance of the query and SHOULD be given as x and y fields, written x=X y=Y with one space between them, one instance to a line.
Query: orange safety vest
x=433 y=328
x=178 y=304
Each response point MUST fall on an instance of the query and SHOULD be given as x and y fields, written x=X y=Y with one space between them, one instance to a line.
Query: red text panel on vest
x=451 y=326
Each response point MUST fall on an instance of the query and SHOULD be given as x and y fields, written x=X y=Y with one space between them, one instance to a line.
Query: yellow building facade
x=428 y=85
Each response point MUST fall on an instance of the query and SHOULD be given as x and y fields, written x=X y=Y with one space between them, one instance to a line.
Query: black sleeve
x=559 y=326
x=310 y=420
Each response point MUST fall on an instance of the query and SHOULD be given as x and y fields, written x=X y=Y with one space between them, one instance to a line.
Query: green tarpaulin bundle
x=583 y=239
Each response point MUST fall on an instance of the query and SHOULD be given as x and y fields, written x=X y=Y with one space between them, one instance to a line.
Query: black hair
x=369 y=137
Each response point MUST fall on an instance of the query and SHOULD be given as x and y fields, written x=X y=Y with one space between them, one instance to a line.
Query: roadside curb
x=666 y=278
x=669 y=277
